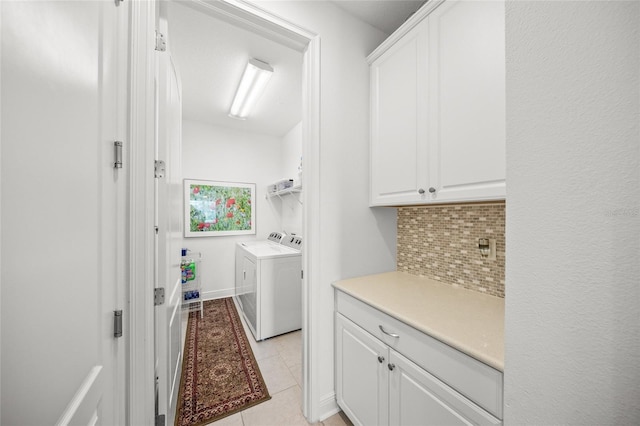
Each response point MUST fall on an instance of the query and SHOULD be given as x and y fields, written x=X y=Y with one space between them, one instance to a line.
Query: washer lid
x=271 y=250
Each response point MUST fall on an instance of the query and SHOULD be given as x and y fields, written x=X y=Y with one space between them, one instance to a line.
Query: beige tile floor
x=280 y=362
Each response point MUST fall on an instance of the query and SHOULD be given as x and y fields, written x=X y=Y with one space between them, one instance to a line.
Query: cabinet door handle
x=432 y=190
x=380 y=359
x=421 y=191
x=391 y=366
x=387 y=333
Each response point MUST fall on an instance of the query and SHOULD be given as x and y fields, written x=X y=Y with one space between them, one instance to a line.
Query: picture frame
x=217 y=209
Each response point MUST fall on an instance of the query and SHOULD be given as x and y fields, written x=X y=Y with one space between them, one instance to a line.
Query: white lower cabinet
x=418 y=398
x=377 y=385
x=363 y=388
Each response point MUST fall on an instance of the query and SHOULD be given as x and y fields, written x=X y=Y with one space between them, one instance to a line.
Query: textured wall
x=441 y=243
x=572 y=322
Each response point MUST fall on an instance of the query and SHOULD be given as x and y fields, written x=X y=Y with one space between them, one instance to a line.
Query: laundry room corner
x=226 y=155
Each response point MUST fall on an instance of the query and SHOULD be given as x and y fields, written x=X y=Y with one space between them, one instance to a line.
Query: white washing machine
x=269 y=284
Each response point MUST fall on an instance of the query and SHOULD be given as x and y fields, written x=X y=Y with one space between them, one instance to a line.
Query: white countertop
x=469 y=321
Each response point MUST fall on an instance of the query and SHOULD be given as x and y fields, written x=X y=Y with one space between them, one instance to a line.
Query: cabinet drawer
x=472 y=378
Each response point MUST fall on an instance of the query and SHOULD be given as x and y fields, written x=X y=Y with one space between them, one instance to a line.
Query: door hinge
x=117 y=323
x=161 y=44
x=159 y=168
x=301 y=274
x=158 y=296
x=160 y=420
x=117 y=154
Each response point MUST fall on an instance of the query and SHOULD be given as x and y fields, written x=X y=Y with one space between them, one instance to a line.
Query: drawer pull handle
x=380 y=359
x=387 y=333
x=391 y=366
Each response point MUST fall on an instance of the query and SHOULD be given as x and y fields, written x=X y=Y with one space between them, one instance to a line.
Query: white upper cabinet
x=399 y=156
x=467 y=99
x=438 y=107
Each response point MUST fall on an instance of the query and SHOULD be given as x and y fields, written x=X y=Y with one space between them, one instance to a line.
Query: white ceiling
x=385 y=15
x=210 y=55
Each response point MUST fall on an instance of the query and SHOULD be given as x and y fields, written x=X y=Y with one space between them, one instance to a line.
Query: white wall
x=292 y=151
x=216 y=153
x=350 y=230
x=291 y=204
x=573 y=221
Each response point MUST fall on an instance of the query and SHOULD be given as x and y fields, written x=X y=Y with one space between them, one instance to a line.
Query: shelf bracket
x=288 y=191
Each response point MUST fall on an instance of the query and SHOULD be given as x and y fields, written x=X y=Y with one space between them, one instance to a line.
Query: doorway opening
x=306 y=46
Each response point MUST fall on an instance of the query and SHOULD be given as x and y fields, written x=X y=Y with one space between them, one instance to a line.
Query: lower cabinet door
x=362 y=374
x=418 y=398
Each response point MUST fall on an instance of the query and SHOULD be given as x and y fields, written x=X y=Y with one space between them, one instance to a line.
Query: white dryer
x=269 y=284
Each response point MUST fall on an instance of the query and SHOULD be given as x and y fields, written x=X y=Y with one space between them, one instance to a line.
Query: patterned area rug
x=220 y=375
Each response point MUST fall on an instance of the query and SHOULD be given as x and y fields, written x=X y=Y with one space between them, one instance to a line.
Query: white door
x=63 y=212
x=362 y=375
x=467 y=100
x=168 y=212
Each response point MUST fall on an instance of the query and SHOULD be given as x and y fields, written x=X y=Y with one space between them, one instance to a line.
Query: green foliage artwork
x=219 y=208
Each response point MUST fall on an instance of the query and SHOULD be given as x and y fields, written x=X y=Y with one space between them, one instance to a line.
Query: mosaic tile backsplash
x=441 y=243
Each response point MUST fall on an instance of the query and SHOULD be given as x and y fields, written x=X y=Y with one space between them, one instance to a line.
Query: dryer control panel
x=293 y=241
x=276 y=237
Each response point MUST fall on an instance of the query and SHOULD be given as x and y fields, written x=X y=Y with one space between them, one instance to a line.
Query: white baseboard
x=328 y=406
x=218 y=294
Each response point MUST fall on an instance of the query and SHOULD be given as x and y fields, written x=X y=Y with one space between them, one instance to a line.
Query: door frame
x=141 y=136
x=141 y=380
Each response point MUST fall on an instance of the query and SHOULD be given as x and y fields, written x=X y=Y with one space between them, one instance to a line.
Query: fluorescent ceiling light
x=254 y=80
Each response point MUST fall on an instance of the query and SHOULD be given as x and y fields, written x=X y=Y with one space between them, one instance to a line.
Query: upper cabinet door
x=399 y=155
x=466 y=76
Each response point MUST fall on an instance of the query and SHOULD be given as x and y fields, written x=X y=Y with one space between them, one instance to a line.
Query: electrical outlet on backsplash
x=441 y=242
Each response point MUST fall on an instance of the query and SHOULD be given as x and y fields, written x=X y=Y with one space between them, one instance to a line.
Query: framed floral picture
x=215 y=209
